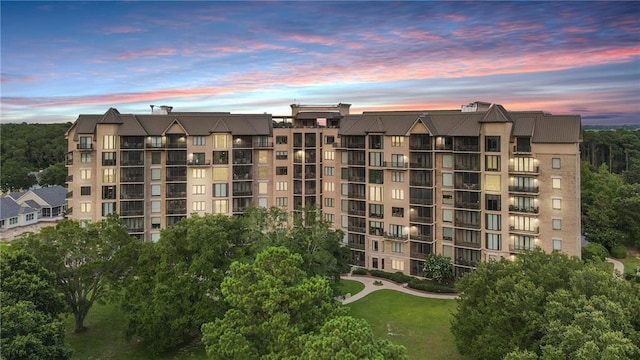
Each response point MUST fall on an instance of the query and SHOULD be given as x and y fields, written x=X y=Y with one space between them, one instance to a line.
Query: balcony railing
x=475 y=245
x=177 y=194
x=422 y=237
x=418 y=254
x=373 y=215
x=263 y=145
x=132 y=195
x=532 y=170
x=199 y=162
x=85 y=147
x=420 y=165
x=467 y=186
x=466 y=262
x=130 y=162
x=468 y=224
x=242 y=193
x=242 y=176
x=421 y=201
x=132 y=179
x=177 y=145
x=519 y=248
x=524 y=209
x=176 y=161
x=522 y=149
x=421 y=219
x=393 y=236
x=355 y=195
x=69 y=178
x=172 y=178
x=69 y=195
x=355 y=228
x=356 y=212
x=355 y=245
x=396 y=164
x=531 y=230
x=132 y=145
x=525 y=189
x=356 y=162
x=177 y=211
x=354 y=178
x=467 y=205
x=132 y=212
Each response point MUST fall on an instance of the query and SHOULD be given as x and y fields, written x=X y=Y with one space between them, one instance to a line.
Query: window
x=376 y=176
x=556 y=203
x=85 y=142
x=198 y=173
x=109 y=192
x=329 y=155
x=85 y=190
x=281 y=170
x=108 y=175
x=281 y=139
x=197 y=159
x=397 y=160
x=220 y=141
x=155 y=142
x=447 y=161
x=374 y=245
x=557 y=245
x=447 y=215
x=85 y=174
x=492 y=182
x=329 y=170
x=447 y=233
x=492 y=163
x=155 y=223
x=108 y=208
x=220 y=157
x=85 y=207
x=524 y=223
x=220 y=190
x=376 y=211
x=397 y=212
x=494 y=242
x=397 y=194
x=555 y=163
x=375 y=141
x=555 y=183
x=198 y=206
x=396 y=247
x=493 y=222
x=220 y=173
x=156 y=173
x=155 y=206
x=329 y=139
x=108 y=142
x=29 y=217
x=447 y=179
x=397 y=176
x=281 y=155
x=447 y=198
x=329 y=186
x=85 y=158
x=330 y=218
x=263 y=157
x=156 y=158
x=397 y=265
x=557 y=224
x=375 y=193
x=376 y=228
x=493 y=202
x=375 y=159
x=14 y=220
x=329 y=202
x=525 y=164
x=155 y=190
x=220 y=206
x=199 y=140
x=197 y=189
x=281 y=186
x=281 y=201
x=492 y=143
x=397 y=141
x=521 y=242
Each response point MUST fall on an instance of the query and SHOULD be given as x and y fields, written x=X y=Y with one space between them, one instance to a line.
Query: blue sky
x=60 y=59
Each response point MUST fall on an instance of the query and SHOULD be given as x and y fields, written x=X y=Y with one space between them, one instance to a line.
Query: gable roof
x=53 y=195
x=8 y=207
x=112 y=116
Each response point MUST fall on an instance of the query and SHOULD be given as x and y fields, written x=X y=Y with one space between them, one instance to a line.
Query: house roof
x=53 y=195
x=8 y=207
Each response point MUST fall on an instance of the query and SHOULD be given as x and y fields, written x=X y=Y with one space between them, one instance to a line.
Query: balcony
x=522 y=149
x=131 y=162
x=474 y=245
x=519 y=248
x=247 y=192
x=242 y=161
x=422 y=237
x=128 y=179
x=355 y=228
x=531 y=170
x=242 y=176
x=468 y=224
x=356 y=212
x=421 y=219
x=467 y=205
x=420 y=165
x=356 y=162
x=263 y=144
x=420 y=201
x=177 y=161
x=132 y=145
x=177 y=210
x=466 y=262
x=524 y=189
x=524 y=209
x=374 y=215
x=396 y=165
x=355 y=245
x=176 y=194
x=467 y=186
x=85 y=147
x=531 y=230
x=70 y=178
x=174 y=178
x=69 y=195
x=132 y=212
x=395 y=237
x=132 y=195
x=177 y=145
x=199 y=162
x=355 y=195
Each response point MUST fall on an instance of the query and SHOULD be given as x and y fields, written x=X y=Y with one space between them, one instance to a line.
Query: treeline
x=619 y=149
x=27 y=148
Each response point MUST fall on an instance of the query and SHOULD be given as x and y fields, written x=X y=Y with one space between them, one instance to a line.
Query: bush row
x=412 y=282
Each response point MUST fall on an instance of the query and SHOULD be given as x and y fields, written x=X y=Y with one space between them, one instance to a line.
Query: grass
x=350 y=287
x=420 y=324
x=105 y=340
x=630 y=264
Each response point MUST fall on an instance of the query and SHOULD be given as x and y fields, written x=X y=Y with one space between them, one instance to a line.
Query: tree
x=30 y=308
x=272 y=303
x=175 y=287
x=538 y=304
x=345 y=337
x=84 y=260
x=54 y=175
x=16 y=177
x=438 y=268
x=594 y=251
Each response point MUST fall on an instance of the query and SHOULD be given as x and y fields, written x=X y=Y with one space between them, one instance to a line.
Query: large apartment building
x=474 y=184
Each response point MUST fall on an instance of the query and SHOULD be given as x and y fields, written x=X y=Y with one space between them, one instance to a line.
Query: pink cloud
x=122 y=29
x=147 y=53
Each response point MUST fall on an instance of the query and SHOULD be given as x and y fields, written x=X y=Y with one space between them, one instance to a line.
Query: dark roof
x=55 y=195
x=312 y=115
x=112 y=116
x=8 y=207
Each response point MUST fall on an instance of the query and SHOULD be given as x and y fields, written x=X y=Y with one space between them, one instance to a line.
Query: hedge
x=412 y=282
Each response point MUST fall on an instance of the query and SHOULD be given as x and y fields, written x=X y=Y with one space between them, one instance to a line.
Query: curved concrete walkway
x=388 y=285
x=616 y=265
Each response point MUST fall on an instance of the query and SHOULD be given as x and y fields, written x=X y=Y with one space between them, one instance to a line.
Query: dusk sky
x=61 y=59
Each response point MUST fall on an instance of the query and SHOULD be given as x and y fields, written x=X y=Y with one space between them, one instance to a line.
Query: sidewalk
x=616 y=265
x=388 y=285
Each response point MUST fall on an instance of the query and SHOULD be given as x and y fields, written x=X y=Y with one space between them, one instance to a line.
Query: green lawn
x=105 y=340
x=350 y=286
x=630 y=264
x=420 y=324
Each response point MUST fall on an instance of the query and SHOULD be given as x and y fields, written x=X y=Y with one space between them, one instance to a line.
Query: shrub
x=430 y=286
x=619 y=252
x=594 y=251
x=360 y=271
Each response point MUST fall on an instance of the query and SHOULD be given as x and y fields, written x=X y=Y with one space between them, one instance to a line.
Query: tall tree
x=272 y=304
x=30 y=308
x=537 y=304
x=84 y=260
x=55 y=174
x=176 y=284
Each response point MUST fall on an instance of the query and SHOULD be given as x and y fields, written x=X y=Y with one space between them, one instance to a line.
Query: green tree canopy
x=30 y=308
x=272 y=304
x=176 y=285
x=438 y=268
x=55 y=174
x=84 y=260
x=545 y=304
